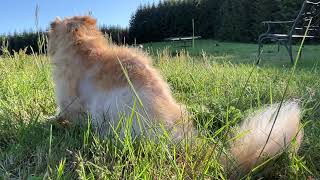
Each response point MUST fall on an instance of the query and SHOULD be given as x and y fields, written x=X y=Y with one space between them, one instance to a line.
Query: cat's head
x=65 y=32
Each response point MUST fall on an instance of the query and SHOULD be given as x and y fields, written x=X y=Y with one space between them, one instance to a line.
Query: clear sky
x=19 y=15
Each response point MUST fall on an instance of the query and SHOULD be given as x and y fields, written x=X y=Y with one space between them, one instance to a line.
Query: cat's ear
x=54 y=24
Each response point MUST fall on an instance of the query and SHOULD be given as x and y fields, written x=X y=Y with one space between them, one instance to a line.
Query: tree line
x=229 y=20
x=35 y=42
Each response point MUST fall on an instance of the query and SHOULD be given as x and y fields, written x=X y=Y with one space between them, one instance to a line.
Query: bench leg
x=290 y=52
x=289 y=49
x=260 y=45
x=301 y=52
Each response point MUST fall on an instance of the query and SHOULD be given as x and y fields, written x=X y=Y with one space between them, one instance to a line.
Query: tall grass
x=30 y=148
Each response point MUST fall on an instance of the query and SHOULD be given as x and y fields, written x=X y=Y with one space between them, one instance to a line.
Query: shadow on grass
x=32 y=149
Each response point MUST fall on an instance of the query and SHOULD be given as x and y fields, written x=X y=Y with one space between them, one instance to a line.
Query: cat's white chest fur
x=109 y=107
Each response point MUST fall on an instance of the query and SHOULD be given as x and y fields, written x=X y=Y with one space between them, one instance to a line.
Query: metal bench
x=310 y=11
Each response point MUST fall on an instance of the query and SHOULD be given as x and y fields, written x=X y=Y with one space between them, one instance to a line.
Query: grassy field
x=240 y=53
x=212 y=80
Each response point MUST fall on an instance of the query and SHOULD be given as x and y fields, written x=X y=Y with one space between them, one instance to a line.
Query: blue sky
x=19 y=15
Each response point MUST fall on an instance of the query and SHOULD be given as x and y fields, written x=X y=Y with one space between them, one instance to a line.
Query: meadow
x=217 y=81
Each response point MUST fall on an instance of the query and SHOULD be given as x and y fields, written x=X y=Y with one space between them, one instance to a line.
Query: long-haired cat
x=110 y=82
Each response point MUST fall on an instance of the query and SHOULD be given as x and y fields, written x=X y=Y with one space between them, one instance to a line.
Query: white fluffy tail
x=246 y=149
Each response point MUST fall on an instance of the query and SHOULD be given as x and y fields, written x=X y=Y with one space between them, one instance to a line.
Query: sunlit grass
x=209 y=84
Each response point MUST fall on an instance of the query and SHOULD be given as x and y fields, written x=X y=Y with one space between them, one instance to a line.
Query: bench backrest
x=309 y=11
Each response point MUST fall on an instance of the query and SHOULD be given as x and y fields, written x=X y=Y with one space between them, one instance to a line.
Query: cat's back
x=115 y=77
x=119 y=66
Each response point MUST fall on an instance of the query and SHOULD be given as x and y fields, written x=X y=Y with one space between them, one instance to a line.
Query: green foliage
x=118 y=34
x=26 y=40
x=230 y=20
x=233 y=20
x=36 y=42
x=209 y=84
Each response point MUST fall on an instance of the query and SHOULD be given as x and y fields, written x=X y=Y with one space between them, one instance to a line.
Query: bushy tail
x=255 y=130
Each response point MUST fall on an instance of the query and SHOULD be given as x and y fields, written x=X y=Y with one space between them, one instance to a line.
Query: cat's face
x=62 y=32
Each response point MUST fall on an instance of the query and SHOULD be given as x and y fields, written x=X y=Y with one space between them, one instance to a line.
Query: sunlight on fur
x=94 y=77
x=89 y=78
x=257 y=127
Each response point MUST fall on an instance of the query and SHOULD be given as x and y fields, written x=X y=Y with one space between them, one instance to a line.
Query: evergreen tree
x=208 y=19
x=290 y=8
x=232 y=21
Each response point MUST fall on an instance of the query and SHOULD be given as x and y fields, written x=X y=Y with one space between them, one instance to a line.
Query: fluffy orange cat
x=109 y=82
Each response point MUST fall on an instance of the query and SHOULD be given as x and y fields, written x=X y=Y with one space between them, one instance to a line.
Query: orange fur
x=89 y=78
x=78 y=48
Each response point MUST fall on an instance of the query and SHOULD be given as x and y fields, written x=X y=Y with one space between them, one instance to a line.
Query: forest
x=224 y=20
x=227 y=20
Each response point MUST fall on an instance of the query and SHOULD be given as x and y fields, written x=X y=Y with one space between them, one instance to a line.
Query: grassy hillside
x=212 y=83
